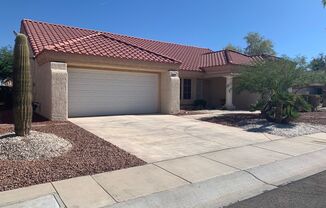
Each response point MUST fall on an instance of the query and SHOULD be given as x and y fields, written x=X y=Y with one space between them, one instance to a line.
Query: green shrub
x=282 y=107
x=272 y=79
x=313 y=100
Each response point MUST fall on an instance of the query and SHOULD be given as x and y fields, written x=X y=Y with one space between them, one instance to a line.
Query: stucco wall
x=214 y=92
x=41 y=77
x=50 y=88
x=59 y=91
x=243 y=100
x=170 y=93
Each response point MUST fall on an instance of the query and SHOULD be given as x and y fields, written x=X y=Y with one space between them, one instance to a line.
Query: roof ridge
x=99 y=31
x=61 y=25
x=70 y=41
x=214 y=51
x=129 y=44
x=160 y=41
x=238 y=52
x=222 y=50
x=228 y=57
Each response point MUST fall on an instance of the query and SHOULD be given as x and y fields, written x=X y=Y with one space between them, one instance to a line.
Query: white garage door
x=102 y=92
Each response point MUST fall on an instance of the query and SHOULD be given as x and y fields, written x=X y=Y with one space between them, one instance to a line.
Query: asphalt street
x=306 y=193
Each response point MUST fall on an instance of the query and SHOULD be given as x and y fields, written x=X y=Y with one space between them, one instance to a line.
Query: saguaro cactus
x=22 y=88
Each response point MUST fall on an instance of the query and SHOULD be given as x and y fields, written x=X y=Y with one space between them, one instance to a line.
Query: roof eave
x=72 y=58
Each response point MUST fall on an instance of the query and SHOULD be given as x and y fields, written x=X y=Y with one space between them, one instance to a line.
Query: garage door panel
x=113 y=76
x=103 y=100
x=99 y=92
x=103 y=92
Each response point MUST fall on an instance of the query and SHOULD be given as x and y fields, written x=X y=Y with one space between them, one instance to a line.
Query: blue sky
x=297 y=27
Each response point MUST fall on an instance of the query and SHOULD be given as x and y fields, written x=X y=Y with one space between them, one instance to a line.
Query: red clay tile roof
x=60 y=38
x=217 y=58
x=189 y=56
x=240 y=59
x=224 y=57
x=101 y=45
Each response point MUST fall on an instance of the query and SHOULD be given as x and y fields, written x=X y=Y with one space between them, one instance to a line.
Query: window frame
x=186 y=89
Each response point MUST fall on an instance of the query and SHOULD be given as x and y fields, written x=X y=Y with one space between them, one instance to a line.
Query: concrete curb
x=228 y=189
x=291 y=169
x=215 y=192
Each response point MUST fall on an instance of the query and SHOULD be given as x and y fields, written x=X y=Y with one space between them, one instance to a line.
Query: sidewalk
x=205 y=180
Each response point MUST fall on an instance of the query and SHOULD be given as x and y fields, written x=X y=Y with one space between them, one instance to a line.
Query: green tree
x=257 y=45
x=301 y=62
x=272 y=79
x=324 y=2
x=318 y=63
x=6 y=62
x=233 y=48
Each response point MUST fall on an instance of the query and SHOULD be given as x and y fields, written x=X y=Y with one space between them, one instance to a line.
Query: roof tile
x=60 y=38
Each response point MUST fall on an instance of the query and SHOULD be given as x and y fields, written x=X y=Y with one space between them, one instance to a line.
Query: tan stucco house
x=80 y=72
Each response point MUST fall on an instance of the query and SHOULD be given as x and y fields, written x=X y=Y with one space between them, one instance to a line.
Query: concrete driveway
x=191 y=164
x=156 y=138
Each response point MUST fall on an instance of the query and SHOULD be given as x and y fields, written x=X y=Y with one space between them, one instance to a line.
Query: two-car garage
x=78 y=72
x=93 y=92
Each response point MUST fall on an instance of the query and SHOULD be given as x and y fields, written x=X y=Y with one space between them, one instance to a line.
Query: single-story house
x=81 y=72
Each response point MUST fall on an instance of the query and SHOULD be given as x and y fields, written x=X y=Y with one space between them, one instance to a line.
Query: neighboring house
x=79 y=72
x=312 y=89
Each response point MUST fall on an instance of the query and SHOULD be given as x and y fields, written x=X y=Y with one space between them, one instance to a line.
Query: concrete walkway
x=208 y=179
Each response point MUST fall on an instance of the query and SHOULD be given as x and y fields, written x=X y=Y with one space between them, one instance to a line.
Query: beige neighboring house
x=80 y=72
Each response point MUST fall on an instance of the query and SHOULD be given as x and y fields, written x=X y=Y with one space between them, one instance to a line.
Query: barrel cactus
x=22 y=87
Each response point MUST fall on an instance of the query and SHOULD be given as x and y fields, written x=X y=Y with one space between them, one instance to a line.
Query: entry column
x=229 y=93
x=59 y=91
x=170 y=92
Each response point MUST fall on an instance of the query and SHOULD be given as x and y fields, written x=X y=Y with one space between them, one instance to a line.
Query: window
x=187 y=89
x=181 y=80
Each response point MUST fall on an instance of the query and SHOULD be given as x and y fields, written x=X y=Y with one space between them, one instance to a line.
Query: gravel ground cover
x=88 y=155
x=35 y=146
x=255 y=123
x=189 y=112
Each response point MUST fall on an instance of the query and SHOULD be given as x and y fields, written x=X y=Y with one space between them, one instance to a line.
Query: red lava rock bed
x=240 y=119
x=89 y=155
x=234 y=119
x=313 y=117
